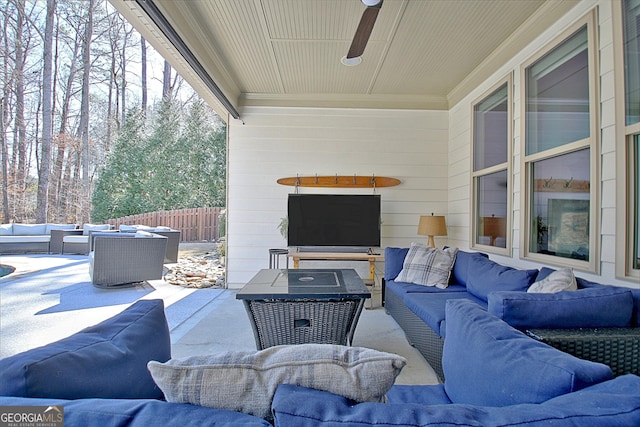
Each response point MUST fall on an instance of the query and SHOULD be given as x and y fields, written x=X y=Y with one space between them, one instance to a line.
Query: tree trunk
x=20 y=135
x=45 y=161
x=4 y=118
x=84 y=114
x=123 y=89
x=64 y=138
x=166 y=81
x=143 y=47
x=5 y=173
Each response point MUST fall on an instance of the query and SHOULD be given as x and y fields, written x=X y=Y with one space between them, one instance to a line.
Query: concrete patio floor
x=51 y=297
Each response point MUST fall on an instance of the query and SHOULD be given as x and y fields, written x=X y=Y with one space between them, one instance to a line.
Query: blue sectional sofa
x=496 y=376
x=100 y=376
x=420 y=310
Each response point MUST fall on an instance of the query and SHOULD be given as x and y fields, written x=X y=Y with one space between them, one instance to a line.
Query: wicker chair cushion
x=108 y=360
x=486 y=362
x=50 y=227
x=245 y=381
x=559 y=280
x=88 y=228
x=428 y=266
x=133 y=228
x=29 y=229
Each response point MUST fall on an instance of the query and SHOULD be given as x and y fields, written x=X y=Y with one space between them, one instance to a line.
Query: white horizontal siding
x=280 y=142
x=459 y=190
x=429 y=151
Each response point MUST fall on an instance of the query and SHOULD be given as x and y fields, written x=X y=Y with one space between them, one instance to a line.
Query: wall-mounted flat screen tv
x=334 y=220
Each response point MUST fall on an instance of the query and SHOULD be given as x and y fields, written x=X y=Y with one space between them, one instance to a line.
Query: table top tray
x=288 y=284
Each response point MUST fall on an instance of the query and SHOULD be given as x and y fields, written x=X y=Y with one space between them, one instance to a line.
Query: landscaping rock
x=197 y=271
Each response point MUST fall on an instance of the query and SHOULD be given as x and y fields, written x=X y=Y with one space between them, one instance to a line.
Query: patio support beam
x=170 y=33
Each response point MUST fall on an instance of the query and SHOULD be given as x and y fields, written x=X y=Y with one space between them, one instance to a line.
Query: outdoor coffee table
x=298 y=306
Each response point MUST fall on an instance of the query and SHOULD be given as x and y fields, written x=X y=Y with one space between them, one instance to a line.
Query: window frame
x=626 y=192
x=505 y=166
x=591 y=142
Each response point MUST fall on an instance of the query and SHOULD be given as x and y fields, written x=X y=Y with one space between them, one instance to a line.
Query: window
x=635 y=202
x=631 y=30
x=492 y=132
x=560 y=139
x=560 y=205
x=627 y=63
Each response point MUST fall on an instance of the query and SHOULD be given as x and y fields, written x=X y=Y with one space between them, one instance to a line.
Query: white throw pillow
x=29 y=229
x=6 y=229
x=427 y=266
x=87 y=228
x=559 y=280
x=245 y=381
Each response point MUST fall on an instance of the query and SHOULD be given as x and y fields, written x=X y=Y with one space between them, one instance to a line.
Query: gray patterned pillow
x=560 y=280
x=245 y=381
x=427 y=266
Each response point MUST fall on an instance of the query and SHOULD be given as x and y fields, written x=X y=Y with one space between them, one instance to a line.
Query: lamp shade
x=432 y=226
x=493 y=227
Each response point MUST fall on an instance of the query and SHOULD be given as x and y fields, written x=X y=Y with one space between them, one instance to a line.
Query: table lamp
x=494 y=227
x=432 y=226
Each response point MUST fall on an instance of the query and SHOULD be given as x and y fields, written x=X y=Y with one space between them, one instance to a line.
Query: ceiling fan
x=363 y=32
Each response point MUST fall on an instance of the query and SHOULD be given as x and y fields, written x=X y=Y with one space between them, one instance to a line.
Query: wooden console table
x=339 y=256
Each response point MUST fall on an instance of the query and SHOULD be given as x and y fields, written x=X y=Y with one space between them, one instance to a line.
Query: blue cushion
x=460 y=271
x=586 y=284
x=138 y=413
x=430 y=308
x=613 y=403
x=487 y=362
x=583 y=283
x=402 y=288
x=603 y=307
x=108 y=360
x=489 y=276
x=432 y=394
x=393 y=261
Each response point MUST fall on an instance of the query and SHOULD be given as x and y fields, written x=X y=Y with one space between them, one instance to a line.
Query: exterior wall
x=460 y=147
x=429 y=151
x=280 y=142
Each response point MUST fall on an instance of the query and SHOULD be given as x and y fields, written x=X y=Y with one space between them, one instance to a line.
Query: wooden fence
x=196 y=225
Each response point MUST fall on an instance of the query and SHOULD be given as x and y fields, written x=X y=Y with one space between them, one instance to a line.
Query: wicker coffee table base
x=280 y=322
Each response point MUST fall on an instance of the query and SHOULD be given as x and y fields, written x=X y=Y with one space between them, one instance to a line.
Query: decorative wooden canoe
x=340 y=181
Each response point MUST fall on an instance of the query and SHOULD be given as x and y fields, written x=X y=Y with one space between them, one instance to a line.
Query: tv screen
x=334 y=220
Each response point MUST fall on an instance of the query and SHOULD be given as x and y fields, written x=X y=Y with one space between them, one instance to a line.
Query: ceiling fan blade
x=363 y=32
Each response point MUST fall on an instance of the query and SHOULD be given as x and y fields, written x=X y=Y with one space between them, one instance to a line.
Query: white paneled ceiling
x=421 y=54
